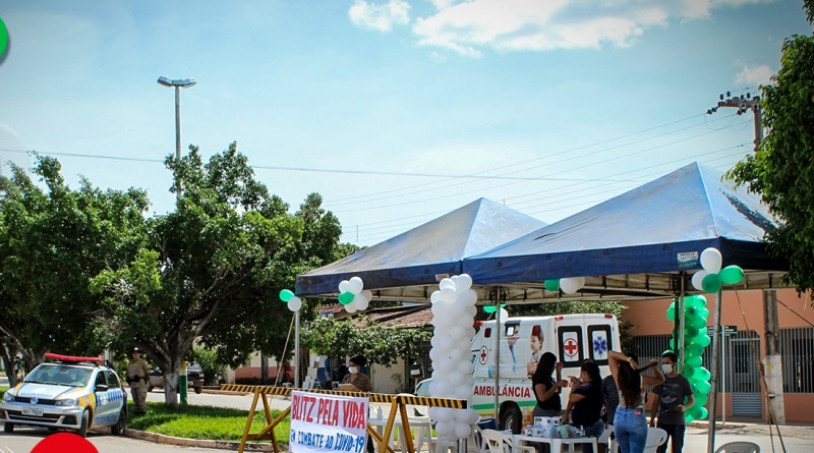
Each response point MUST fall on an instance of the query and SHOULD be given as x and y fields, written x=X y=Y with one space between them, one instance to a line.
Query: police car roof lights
x=73 y=358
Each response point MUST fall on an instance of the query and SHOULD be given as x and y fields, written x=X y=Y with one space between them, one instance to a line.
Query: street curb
x=199 y=443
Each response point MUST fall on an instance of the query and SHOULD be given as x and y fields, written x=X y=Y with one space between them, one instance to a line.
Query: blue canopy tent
x=640 y=241
x=407 y=263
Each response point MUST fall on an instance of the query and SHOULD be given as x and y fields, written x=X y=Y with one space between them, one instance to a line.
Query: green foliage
x=208 y=360
x=782 y=169
x=53 y=240
x=203 y=422
x=380 y=344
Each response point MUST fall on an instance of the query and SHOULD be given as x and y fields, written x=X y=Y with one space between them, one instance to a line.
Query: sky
x=395 y=111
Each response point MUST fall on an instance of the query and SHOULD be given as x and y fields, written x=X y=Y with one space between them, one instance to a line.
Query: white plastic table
x=556 y=444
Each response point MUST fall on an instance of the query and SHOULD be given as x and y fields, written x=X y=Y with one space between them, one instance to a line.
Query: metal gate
x=743 y=376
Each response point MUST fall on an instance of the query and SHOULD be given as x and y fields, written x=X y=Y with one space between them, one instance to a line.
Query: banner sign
x=327 y=423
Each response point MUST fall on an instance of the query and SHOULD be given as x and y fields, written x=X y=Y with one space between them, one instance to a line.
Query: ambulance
x=522 y=341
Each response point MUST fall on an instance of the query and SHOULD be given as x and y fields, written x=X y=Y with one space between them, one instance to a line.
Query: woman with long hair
x=546 y=389
x=585 y=403
x=629 y=424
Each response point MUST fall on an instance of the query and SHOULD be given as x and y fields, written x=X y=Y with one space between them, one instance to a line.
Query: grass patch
x=203 y=422
x=3 y=389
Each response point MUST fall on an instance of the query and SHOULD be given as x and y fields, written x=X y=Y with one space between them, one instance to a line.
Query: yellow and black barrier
x=398 y=405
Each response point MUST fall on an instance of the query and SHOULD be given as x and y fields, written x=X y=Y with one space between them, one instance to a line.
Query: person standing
x=629 y=424
x=547 y=390
x=674 y=398
x=138 y=373
x=585 y=403
x=362 y=383
x=610 y=400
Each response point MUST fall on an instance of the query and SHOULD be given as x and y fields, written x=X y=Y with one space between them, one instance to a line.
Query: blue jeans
x=594 y=430
x=630 y=429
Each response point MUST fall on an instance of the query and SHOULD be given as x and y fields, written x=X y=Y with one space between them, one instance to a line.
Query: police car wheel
x=121 y=424
x=83 y=427
x=8 y=427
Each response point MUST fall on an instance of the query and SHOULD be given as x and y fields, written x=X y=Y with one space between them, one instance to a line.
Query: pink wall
x=743 y=309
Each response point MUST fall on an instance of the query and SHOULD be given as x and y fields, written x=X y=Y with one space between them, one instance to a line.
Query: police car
x=75 y=393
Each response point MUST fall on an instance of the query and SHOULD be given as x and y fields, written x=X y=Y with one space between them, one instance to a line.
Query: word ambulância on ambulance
x=572 y=338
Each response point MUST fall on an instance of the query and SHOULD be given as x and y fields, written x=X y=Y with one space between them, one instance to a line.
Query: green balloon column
x=695 y=340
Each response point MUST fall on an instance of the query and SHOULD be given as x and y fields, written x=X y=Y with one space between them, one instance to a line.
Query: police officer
x=138 y=372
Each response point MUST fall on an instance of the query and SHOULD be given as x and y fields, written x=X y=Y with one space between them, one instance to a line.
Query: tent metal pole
x=716 y=346
x=497 y=356
x=679 y=317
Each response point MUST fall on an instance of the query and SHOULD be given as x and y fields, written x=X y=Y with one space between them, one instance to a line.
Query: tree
x=213 y=269
x=782 y=168
x=380 y=344
x=52 y=241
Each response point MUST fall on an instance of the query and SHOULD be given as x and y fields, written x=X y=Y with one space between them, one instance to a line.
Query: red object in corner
x=72 y=358
x=64 y=443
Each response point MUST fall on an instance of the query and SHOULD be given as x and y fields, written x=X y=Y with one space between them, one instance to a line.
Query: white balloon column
x=453 y=310
x=353 y=296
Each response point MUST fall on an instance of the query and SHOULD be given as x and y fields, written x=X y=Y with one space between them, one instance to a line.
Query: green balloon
x=731 y=275
x=693 y=301
x=693 y=361
x=703 y=387
x=286 y=295
x=693 y=349
x=702 y=340
x=702 y=412
x=711 y=283
x=688 y=418
x=552 y=284
x=346 y=298
x=689 y=370
x=698 y=322
x=702 y=374
x=672 y=344
x=703 y=313
x=702 y=301
x=671 y=312
x=692 y=331
x=701 y=399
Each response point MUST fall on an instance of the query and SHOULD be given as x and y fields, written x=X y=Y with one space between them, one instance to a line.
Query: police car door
x=105 y=407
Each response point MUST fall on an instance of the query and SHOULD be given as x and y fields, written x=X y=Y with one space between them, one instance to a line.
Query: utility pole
x=772 y=363
x=743 y=103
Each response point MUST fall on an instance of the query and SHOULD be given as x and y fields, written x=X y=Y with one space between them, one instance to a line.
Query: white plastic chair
x=655 y=438
x=738 y=447
x=497 y=442
x=605 y=437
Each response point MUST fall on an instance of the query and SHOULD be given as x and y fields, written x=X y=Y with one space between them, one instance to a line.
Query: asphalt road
x=797 y=438
x=24 y=439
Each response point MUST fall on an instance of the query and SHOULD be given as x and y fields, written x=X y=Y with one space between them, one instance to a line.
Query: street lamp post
x=177 y=84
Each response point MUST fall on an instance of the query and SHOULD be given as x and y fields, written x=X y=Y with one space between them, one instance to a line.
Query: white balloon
x=462 y=430
x=343 y=286
x=445 y=428
x=446 y=283
x=473 y=416
x=468 y=297
x=504 y=315
x=355 y=285
x=435 y=355
x=456 y=378
x=351 y=307
x=433 y=412
x=435 y=297
x=294 y=303
x=463 y=283
x=361 y=302
x=570 y=285
x=711 y=260
x=459 y=333
x=368 y=294
x=449 y=295
x=471 y=311
x=698 y=278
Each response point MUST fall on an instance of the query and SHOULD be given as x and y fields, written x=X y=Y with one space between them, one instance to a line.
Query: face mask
x=353 y=370
x=666 y=368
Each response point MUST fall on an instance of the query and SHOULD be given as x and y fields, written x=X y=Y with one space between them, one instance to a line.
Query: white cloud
x=469 y=27
x=381 y=17
x=754 y=75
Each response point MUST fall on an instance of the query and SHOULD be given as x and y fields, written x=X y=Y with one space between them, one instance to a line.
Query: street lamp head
x=178 y=83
